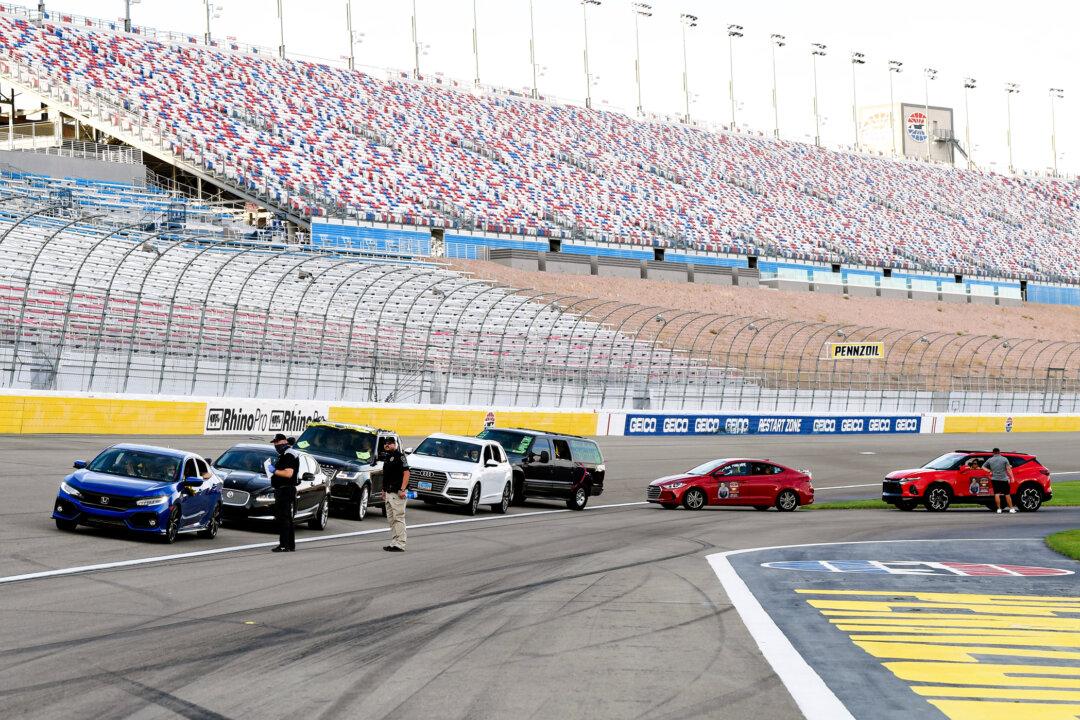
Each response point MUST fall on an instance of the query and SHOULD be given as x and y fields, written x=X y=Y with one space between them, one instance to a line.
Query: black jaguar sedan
x=247 y=494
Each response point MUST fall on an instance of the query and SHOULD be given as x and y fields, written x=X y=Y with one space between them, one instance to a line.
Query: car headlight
x=351 y=475
x=459 y=476
x=158 y=500
x=70 y=490
x=910 y=479
x=674 y=486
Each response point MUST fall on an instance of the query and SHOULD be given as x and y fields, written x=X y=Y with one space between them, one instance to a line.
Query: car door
x=730 y=480
x=763 y=484
x=538 y=469
x=193 y=503
x=492 y=476
x=306 y=490
x=562 y=468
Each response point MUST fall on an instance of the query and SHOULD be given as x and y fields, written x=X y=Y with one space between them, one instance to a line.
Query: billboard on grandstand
x=920 y=125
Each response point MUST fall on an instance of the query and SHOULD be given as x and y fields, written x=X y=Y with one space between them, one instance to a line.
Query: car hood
x=903 y=474
x=428 y=462
x=673 y=478
x=243 y=480
x=105 y=483
x=339 y=463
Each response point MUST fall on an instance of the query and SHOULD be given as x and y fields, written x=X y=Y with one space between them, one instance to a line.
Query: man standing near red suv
x=1001 y=475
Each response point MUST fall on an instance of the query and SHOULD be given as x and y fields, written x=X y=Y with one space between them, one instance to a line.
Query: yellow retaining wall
x=1020 y=423
x=99 y=416
x=422 y=421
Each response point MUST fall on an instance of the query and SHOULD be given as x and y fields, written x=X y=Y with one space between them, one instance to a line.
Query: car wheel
x=761 y=507
x=938 y=498
x=519 y=491
x=321 y=516
x=172 y=528
x=66 y=525
x=359 y=511
x=787 y=501
x=694 y=499
x=906 y=505
x=1029 y=499
x=668 y=506
x=579 y=499
x=501 y=507
x=212 y=525
x=474 y=501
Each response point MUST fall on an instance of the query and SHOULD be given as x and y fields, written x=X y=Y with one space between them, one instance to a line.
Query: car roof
x=349 y=426
x=530 y=431
x=991 y=452
x=462 y=438
x=170 y=452
x=253 y=446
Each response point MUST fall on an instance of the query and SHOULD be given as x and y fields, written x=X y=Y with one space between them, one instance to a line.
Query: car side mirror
x=193 y=481
x=308 y=477
x=544 y=456
x=79 y=464
x=491 y=463
x=409 y=451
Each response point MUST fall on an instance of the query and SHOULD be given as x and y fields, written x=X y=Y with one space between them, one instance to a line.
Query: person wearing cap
x=395 y=492
x=1001 y=475
x=284 y=479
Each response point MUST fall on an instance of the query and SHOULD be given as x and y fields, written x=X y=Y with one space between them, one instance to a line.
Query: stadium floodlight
x=1010 y=90
x=969 y=85
x=640 y=10
x=776 y=41
x=733 y=31
x=688 y=21
x=127 y=13
x=816 y=50
x=281 y=30
x=1055 y=94
x=476 y=43
x=928 y=75
x=588 y=76
x=212 y=11
x=355 y=38
x=857 y=58
x=895 y=68
x=416 y=44
x=532 y=50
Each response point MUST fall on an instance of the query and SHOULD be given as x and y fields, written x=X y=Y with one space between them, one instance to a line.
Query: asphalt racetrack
x=615 y=612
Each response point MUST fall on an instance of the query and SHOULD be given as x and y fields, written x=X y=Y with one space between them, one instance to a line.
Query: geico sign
x=852 y=425
x=907 y=425
x=825 y=425
x=879 y=425
x=676 y=425
x=737 y=426
x=707 y=425
x=642 y=425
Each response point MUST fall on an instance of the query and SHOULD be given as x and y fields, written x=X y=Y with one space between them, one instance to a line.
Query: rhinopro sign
x=246 y=417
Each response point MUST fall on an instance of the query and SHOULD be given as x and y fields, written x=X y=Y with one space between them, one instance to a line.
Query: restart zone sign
x=770 y=425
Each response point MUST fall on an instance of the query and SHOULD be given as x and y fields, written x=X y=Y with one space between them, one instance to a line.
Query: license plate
x=423 y=485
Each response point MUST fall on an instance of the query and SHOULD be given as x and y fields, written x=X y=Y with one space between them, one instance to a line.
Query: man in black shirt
x=395 y=491
x=284 y=480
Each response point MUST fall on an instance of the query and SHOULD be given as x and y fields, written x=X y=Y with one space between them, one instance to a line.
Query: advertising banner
x=771 y=424
x=247 y=417
x=857 y=351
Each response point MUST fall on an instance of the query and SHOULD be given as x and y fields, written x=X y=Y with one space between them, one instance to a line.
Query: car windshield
x=337 y=442
x=139 y=464
x=948 y=461
x=449 y=449
x=514 y=443
x=245 y=459
x=706 y=468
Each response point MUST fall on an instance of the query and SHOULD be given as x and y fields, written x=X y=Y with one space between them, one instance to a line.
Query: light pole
x=857 y=58
x=281 y=30
x=816 y=50
x=213 y=11
x=588 y=75
x=532 y=50
x=355 y=38
x=416 y=44
x=640 y=10
x=127 y=13
x=969 y=85
x=1055 y=94
x=776 y=41
x=929 y=74
x=733 y=31
x=476 y=43
x=687 y=21
x=1010 y=90
x=895 y=68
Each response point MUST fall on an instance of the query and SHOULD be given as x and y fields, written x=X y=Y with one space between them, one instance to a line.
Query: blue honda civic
x=143 y=489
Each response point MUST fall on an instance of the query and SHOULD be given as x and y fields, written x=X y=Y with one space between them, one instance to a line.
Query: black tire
x=668 y=506
x=787 y=500
x=1029 y=498
x=66 y=525
x=694 y=499
x=906 y=505
x=938 y=498
x=359 y=511
x=210 y=531
x=519 y=490
x=322 y=515
x=501 y=507
x=473 y=506
x=761 y=507
x=579 y=499
x=172 y=528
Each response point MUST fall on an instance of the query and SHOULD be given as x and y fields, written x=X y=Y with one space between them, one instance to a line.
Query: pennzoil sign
x=857 y=351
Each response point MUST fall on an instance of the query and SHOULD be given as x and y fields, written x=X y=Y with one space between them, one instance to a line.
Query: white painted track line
x=256 y=546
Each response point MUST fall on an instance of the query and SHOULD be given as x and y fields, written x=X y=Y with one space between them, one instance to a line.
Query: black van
x=551 y=465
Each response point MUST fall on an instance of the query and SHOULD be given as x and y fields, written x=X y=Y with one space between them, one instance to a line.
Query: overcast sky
x=1031 y=43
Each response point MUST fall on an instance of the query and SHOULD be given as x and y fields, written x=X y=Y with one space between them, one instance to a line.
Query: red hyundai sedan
x=735 y=481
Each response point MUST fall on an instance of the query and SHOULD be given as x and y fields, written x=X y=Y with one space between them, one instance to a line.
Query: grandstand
x=316 y=141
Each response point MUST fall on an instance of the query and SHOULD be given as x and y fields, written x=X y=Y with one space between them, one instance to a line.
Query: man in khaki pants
x=395 y=489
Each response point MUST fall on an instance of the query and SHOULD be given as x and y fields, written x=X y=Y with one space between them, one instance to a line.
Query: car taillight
x=1044 y=471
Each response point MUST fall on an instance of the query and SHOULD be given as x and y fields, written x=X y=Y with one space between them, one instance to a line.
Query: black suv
x=551 y=465
x=349 y=456
x=247 y=494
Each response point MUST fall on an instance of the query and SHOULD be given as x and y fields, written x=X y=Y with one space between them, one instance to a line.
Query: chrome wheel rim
x=506 y=498
x=1030 y=499
x=361 y=509
x=694 y=500
x=324 y=512
x=579 y=497
x=787 y=500
x=938 y=499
